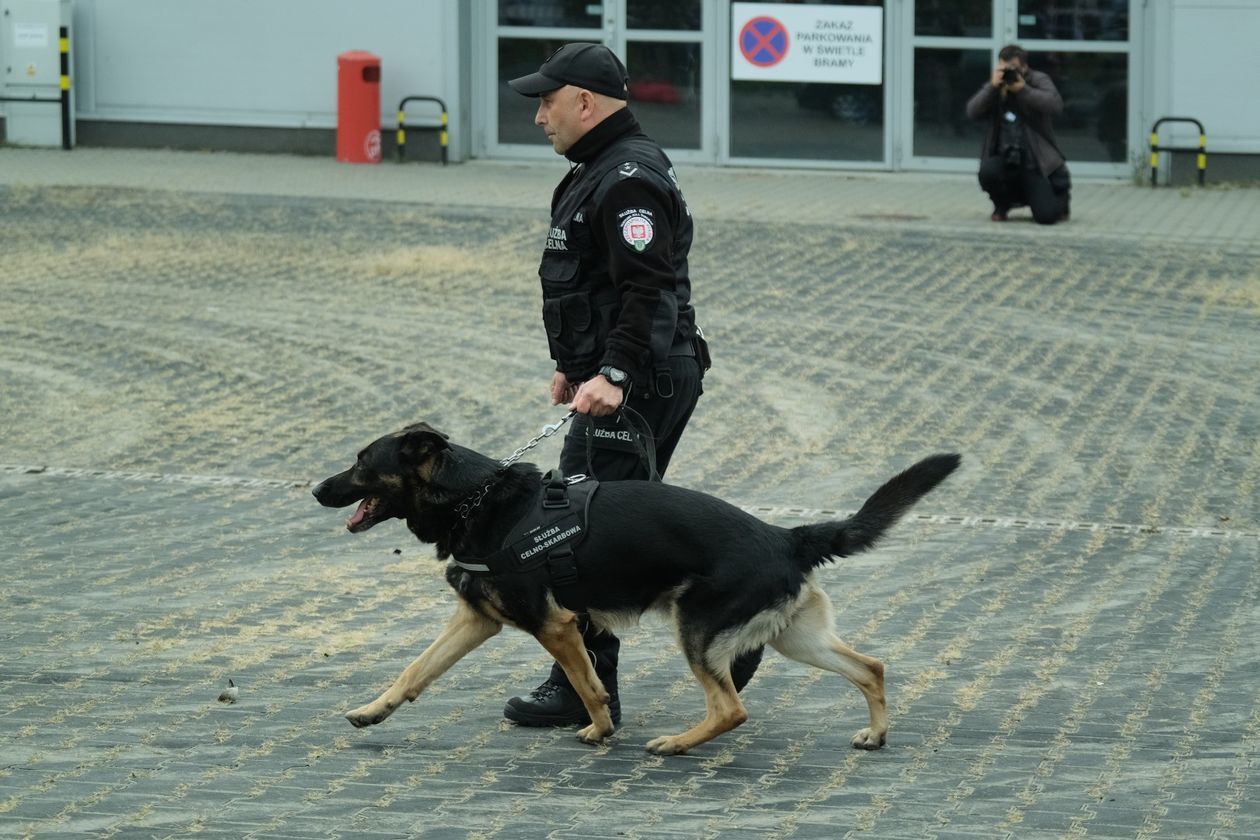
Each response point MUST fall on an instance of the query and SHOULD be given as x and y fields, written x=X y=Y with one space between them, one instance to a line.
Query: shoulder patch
x=637 y=228
x=629 y=169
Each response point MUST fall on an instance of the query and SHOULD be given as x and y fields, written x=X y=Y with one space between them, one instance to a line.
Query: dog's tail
x=817 y=544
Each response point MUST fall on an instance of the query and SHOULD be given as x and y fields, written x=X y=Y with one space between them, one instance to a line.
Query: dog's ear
x=421 y=440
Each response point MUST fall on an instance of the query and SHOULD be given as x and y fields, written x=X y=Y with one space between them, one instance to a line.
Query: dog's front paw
x=593 y=734
x=368 y=715
x=666 y=745
x=867 y=739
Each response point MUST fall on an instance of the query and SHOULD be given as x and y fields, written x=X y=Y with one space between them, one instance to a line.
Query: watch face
x=614 y=375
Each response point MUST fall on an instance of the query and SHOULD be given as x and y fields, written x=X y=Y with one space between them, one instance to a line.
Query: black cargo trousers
x=612 y=458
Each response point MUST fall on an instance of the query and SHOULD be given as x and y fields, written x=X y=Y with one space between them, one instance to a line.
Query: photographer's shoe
x=553 y=704
x=999 y=216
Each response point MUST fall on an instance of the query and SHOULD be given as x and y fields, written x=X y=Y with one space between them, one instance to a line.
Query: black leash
x=640 y=436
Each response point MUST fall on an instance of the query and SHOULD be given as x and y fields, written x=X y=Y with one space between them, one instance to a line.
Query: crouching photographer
x=1020 y=162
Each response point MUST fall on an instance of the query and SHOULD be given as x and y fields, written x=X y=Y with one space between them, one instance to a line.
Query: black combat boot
x=555 y=703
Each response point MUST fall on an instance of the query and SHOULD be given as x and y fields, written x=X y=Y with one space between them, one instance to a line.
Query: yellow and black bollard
x=64 y=36
x=1200 y=158
x=443 y=137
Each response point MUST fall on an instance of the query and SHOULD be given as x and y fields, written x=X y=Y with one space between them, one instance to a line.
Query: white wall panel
x=1213 y=71
x=256 y=62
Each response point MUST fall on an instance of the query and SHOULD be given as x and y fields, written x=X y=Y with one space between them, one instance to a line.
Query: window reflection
x=811 y=121
x=957 y=18
x=943 y=82
x=1074 y=20
x=663 y=14
x=1094 y=86
x=665 y=91
x=520 y=57
x=550 y=13
x=1094 y=125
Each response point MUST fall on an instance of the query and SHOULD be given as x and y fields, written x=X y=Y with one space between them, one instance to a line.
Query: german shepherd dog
x=730 y=582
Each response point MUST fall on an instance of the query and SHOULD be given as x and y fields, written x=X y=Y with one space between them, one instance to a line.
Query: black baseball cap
x=591 y=66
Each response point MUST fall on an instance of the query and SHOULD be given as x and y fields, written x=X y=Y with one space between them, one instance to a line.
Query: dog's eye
x=362 y=470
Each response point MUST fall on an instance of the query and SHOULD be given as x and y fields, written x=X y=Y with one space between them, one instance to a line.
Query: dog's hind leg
x=562 y=639
x=723 y=712
x=811 y=639
x=463 y=633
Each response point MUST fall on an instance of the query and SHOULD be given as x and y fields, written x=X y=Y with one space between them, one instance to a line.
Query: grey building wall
x=194 y=72
x=267 y=64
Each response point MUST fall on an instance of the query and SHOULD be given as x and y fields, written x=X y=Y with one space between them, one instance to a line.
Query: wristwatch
x=616 y=376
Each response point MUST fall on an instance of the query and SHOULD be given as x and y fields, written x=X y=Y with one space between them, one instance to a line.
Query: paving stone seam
x=967 y=698
x=1182 y=757
x=774 y=512
x=1097 y=679
x=1100 y=675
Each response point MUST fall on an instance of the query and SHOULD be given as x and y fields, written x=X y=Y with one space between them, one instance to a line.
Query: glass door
x=808 y=83
x=660 y=42
x=1084 y=46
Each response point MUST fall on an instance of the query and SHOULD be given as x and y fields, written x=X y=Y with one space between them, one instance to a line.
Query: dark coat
x=606 y=300
x=1037 y=105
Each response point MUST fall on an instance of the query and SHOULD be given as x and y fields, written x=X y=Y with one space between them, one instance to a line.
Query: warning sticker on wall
x=30 y=36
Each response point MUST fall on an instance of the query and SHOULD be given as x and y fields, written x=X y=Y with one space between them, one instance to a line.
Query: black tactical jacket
x=614 y=271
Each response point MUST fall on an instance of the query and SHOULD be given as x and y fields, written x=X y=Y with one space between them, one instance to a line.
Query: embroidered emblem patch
x=636 y=230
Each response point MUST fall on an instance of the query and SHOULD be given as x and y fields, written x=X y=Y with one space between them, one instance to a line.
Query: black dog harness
x=547 y=536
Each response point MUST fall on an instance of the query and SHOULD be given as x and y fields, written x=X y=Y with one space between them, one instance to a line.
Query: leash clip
x=547 y=431
x=551 y=428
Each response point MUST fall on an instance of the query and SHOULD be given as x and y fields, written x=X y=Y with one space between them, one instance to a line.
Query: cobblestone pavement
x=1064 y=622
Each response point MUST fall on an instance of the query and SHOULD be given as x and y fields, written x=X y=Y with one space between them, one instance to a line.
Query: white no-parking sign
x=790 y=43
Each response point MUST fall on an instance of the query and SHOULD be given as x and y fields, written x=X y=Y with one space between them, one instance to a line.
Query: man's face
x=560 y=115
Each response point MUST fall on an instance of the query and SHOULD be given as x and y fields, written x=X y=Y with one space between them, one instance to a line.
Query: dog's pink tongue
x=358 y=517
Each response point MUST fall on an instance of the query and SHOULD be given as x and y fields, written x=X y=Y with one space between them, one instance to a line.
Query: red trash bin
x=358 y=107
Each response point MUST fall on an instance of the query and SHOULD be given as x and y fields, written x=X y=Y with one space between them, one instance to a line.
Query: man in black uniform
x=616 y=308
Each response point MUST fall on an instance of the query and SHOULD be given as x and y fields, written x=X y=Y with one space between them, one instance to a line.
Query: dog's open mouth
x=371 y=511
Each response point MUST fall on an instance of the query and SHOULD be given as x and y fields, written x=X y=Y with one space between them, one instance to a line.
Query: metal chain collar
x=466 y=507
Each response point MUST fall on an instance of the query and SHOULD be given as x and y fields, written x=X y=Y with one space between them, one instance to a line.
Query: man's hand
x=562 y=390
x=597 y=397
x=997 y=81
